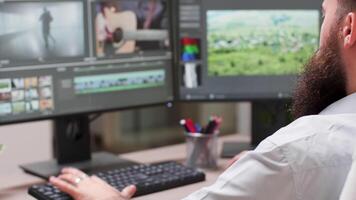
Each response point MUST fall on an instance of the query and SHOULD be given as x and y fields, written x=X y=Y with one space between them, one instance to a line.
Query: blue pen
x=198 y=128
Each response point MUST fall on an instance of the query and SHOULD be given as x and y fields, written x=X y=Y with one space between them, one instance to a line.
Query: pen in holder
x=202 y=150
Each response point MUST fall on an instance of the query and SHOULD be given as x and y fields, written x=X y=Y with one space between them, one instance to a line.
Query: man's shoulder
x=316 y=141
x=313 y=126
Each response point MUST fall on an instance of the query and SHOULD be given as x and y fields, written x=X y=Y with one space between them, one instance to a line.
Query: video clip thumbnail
x=46 y=105
x=45 y=81
x=41 y=31
x=18 y=107
x=5 y=89
x=18 y=83
x=130 y=26
x=32 y=106
x=31 y=94
x=31 y=82
x=45 y=92
x=5 y=85
x=5 y=108
x=18 y=95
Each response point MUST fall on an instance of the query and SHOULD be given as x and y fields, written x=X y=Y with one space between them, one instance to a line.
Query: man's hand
x=236 y=158
x=82 y=187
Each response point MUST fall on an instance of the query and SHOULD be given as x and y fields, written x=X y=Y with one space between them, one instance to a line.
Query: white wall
x=244 y=118
x=24 y=143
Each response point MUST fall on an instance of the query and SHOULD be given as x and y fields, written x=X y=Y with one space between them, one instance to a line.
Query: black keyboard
x=147 y=178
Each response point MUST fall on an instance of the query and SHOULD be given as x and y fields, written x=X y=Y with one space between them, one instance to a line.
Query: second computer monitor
x=243 y=50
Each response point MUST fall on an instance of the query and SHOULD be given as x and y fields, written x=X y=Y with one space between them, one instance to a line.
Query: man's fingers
x=70 y=178
x=129 y=191
x=64 y=186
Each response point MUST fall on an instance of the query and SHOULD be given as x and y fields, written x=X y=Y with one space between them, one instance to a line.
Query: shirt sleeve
x=263 y=174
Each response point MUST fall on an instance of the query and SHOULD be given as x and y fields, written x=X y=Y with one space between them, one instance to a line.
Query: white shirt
x=306 y=160
x=349 y=191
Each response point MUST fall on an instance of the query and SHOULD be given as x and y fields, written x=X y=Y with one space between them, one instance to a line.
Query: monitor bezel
x=54 y=117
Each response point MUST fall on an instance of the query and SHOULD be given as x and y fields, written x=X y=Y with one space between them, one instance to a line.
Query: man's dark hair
x=344 y=7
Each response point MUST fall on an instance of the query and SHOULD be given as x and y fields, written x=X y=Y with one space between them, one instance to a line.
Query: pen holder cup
x=202 y=150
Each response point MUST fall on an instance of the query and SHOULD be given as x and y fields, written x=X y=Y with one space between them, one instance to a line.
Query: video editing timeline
x=118 y=82
x=98 y=56
x=244 y=50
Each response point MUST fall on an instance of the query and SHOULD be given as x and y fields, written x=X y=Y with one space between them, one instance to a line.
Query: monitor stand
x=72 y=148
x=268 y=116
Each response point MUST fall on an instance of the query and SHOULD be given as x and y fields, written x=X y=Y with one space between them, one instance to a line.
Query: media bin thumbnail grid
x=26 y=95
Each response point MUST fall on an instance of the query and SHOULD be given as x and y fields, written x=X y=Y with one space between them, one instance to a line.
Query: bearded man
x=306 y=160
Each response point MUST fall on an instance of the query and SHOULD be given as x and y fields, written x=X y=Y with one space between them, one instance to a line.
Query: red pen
x=190 y=125
x=184 y=124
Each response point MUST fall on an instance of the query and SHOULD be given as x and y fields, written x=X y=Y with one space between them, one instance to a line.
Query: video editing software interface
x=70 y=56
x=244 y=49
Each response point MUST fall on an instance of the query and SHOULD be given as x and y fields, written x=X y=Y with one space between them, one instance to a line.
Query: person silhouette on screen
x=46 y=19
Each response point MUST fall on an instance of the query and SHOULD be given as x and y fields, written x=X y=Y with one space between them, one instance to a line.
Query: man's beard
x=322 y=83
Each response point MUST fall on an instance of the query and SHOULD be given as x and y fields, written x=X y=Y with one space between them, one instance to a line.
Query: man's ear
x=349 y=30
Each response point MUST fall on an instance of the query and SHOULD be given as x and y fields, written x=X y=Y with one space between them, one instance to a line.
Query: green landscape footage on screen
x=261 y=42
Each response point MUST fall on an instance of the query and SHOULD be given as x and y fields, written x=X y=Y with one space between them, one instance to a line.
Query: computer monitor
x=244 y=50
x=66 y=59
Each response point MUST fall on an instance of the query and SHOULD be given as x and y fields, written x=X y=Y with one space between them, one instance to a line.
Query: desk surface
x=14 y=186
